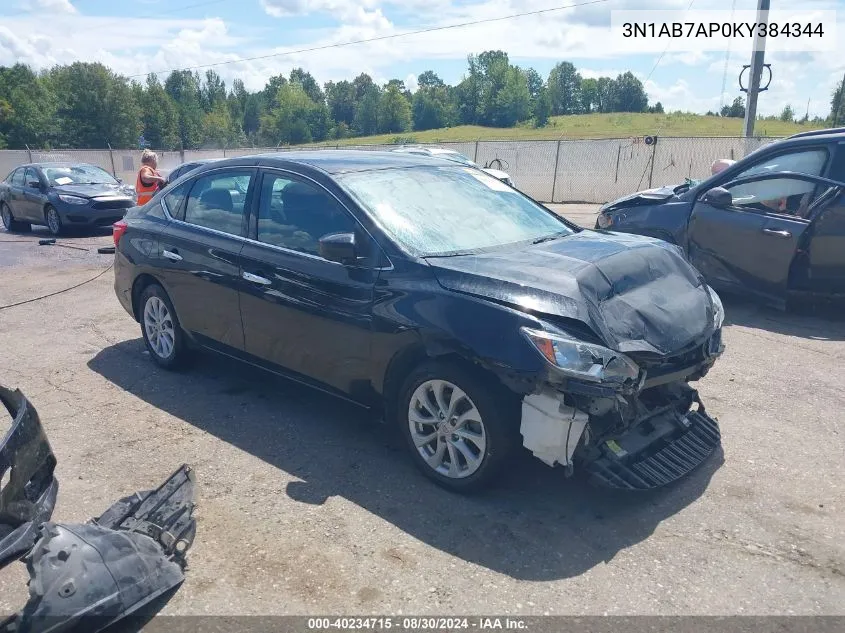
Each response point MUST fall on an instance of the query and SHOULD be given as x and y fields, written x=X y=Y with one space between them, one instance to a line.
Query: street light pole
x=758 y=55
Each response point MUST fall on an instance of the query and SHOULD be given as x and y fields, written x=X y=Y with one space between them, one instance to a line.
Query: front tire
x=53 y=220
x=10 y=223
x=163 y=335
x=460 y=427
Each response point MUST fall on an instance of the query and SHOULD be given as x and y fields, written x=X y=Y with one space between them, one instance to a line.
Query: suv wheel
x=460 y=428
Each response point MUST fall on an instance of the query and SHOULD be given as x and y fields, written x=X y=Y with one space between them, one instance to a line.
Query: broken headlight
x=582 y=360
x=718 y=308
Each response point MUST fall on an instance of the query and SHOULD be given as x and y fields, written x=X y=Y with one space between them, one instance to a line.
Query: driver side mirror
x=34 y=184
x=338 y=247
x=718 y=197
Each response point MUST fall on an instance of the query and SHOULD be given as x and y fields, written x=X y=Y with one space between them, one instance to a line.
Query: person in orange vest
x=149 y=180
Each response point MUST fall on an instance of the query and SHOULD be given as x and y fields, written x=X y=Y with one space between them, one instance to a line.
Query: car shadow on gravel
x=535 y=525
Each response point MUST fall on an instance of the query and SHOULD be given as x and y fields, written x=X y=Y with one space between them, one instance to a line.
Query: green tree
x=340 y=97
x=394 y=110
x=589 y=95
x=96 y=108
x=542 y=108
x=429 y=79
x=628 y=94
x=605 y=90
x=535 y=84
x=252 y=116
x=367 y=111
x=308 y=83
x=565 y=89
x=787 y=114
x=431 y=108
x=27 y=108
x=183 y=87
x=837 y=104
x=271 y=91
x=735 y=110
x=213 y=91
x=159 y=121
x=657 y=108
x=291 y=120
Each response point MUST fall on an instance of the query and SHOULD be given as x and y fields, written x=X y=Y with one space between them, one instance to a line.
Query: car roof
x=337 y=161
x=59 y=164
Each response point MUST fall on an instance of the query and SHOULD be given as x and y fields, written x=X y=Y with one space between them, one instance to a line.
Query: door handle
x=172 y=256
x=777 y=233
x=256 y=279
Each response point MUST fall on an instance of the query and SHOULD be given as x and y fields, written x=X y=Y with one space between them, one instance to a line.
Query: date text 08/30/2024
x=408 y=623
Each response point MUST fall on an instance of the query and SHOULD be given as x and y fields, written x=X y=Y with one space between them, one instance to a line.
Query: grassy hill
x=614 y=125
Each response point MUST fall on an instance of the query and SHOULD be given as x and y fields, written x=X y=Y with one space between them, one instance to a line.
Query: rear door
x=17 y=203
x=826 y=248
x=751 y=244
x=199 y=254
x=300 y=311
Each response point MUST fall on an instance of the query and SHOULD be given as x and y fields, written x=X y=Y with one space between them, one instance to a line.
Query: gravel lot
x=306 y=506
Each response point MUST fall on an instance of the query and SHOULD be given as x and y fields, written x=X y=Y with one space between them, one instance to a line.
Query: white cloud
x=52 y=7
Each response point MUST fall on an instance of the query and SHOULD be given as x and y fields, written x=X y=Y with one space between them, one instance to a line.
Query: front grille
x=113 y=204
x=655 y=468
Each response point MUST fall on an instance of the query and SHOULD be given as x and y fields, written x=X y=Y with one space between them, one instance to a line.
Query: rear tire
x=53 y=220
x=163 y=335
x=10 y=223
x=467 y=446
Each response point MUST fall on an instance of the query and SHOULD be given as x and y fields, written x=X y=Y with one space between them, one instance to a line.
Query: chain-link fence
x=548 y=171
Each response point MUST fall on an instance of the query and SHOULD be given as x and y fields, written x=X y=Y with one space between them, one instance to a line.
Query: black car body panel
x=85 y=576
x=27 y=463
x=97 y=204
x=617 y=286
x=765 y=251
x=353 y=329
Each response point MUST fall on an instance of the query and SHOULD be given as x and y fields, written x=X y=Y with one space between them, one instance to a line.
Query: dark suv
x=772 y=225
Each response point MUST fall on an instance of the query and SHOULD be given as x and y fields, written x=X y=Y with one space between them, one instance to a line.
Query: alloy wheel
x=6 y=214
x=53 y=221
x=158 y=326
x=447 y=429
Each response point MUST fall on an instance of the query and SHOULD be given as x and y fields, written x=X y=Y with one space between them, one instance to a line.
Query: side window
x=808 y=161
x=29 y=176
x=175 y=200
x=17 y=178
x=217 y=201
x=295 y=214
x=789 y=196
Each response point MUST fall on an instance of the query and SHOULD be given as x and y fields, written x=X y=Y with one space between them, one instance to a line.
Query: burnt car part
x=85 y=576
x=28 y=487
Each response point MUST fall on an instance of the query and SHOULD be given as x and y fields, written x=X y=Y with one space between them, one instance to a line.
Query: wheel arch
x=407 y=359
x=141 y=283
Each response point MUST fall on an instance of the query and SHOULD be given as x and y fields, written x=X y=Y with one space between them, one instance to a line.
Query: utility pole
x=757 y=57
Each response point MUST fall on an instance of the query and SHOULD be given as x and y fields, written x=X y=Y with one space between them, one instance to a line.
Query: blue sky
x=138 y=36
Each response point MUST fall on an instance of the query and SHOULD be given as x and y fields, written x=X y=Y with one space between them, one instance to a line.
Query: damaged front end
x=630 y=420
x=85 y=576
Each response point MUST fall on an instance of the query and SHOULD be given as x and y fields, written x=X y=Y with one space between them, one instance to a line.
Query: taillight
x=118 y=229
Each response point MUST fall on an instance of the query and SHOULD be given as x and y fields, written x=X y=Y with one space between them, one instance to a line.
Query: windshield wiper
x=551 y=237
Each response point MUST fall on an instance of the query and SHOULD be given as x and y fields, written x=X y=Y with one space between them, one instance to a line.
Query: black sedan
x=62 y=195
x=771 y=226
x=456 y=307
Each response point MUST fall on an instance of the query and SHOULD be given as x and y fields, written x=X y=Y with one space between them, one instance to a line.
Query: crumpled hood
x=92 y=191
x=638 y=294
x=649 y=196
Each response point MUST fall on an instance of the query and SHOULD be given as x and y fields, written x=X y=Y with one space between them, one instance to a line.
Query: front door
x=301 y=312
x=32 y=197
x=750 y=244
x=199 y=256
